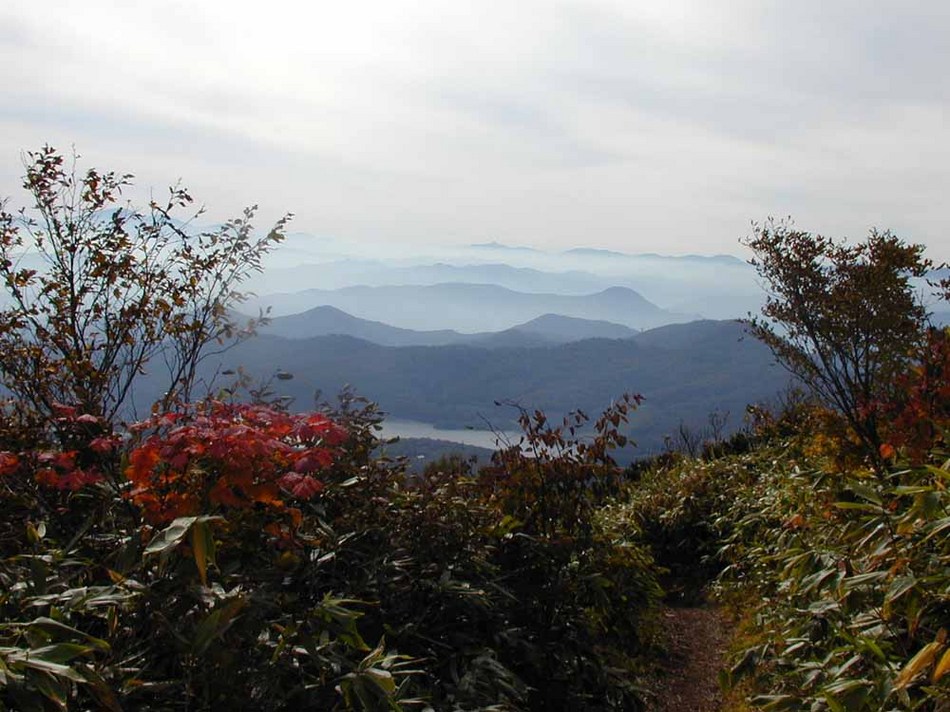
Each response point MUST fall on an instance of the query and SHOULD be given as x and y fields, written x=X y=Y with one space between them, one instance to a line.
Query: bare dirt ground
x=696 y=640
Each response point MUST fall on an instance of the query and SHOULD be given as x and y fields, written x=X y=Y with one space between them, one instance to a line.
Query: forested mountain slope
x=687 y=371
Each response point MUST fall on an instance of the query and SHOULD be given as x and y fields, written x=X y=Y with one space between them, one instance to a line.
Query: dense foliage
x=96 y=291
x=238 y=554
x=527 y=586
x=837 y=570
x=844 y=318
x=230 y=554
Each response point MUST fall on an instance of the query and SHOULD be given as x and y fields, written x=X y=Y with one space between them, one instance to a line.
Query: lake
x=394 y=427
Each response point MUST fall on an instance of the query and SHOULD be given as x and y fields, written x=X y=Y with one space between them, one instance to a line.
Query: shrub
x=844 y=319
x=114 y=288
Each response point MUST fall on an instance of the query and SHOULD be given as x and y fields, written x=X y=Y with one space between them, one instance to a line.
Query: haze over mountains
x=716 y=287
x=440 y=339
x=472 y=307
x=685 y=371
x=545 y=329
x=438 y=336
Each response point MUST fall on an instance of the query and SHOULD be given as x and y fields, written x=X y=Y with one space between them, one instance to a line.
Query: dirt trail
x=696 y=640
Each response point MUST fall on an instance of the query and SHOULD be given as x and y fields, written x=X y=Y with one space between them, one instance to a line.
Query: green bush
x=197 y=583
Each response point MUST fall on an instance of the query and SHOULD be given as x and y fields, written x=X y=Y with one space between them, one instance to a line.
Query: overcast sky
x=662 y=126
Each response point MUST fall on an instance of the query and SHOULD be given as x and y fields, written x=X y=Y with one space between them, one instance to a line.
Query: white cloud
x=662 y=126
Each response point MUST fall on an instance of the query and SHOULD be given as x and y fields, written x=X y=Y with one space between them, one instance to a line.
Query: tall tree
x=844 y=318
x=97 y=291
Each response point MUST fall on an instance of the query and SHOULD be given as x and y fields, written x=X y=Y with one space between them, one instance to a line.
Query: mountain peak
x=495 y=245
x=571 y=328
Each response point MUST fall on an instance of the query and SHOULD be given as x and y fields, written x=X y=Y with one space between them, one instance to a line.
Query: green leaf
x=46 y=666
x=938 y=527
x=777 y=703
x=202 y=546
x=863 y=579
x=899 y=586
x=104 y=694
x=866 y=493
x=50 y=687
x=383 y=679
x=858 y=506
x=833 y=703
x=171 y=536
x=51 y=626
x=216 y=623
x=61 y=652
x=174 y=534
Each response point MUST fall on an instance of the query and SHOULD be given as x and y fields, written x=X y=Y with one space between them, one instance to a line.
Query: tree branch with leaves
x=845 y=319
x=97 y=290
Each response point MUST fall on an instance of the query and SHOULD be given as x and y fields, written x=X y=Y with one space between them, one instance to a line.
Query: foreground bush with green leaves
x=226 y=554
x=839 y=570
x=235 y=555
x=853 y=578
x=239 y=555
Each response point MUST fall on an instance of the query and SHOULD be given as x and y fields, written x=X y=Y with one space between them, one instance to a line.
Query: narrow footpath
x=696 y=640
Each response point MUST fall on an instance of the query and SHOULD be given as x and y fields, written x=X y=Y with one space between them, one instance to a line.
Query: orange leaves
x=141 y=463
x=229 y=456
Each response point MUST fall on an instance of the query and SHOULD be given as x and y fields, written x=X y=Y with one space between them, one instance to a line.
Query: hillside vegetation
x=228 y=553
x=684 y=371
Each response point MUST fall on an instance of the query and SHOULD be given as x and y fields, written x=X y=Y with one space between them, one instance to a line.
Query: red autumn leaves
x=211 y=457
x=81 y=459
x=228 y=456
x=918 y=420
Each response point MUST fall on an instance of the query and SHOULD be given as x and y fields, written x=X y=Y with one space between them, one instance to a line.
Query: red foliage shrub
x=918 y=421
x=75 y=452
x=224 y=455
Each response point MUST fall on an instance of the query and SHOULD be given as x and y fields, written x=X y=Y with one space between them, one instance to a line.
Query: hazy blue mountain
x=594 y=252
x=718 y=286
x=545 y=330
x=375 y=273
x=494 y=245
x=509 y=339
x=471 y=307
x=327 y=320
x=685 y=372
x=705 y=334
x=728 y=260
x=551 y=329
x=567 y=328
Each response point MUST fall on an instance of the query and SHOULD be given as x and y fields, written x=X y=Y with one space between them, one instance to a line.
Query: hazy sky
x=660 y=126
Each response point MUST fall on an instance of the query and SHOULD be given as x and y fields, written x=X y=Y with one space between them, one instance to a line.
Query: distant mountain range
x=728 y=260
x=685 y=371
x=471 y=307
x=563 y=329
x=712 y=287
x=544 y=330
x=330 y=321
x=374 y=273
x=494 y=245
x=612 y=254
